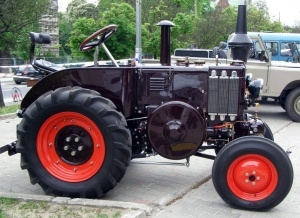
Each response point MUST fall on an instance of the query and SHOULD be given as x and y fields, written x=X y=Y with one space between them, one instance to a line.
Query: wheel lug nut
x=253 y=172
x=73 y=153
x=76 y=139
x=246 y=181
x=253 y=183
x=68 y=139
x=66 y=147
x=247 y=174
x=258 y=178
x=80 y=148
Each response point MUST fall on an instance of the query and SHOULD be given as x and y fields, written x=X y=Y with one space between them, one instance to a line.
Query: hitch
x=11 y=148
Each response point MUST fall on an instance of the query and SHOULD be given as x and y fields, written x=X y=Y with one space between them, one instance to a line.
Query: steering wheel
x=101 y=36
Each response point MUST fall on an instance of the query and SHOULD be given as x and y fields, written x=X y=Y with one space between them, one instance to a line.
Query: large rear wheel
x=74 y=143
x=252 y=173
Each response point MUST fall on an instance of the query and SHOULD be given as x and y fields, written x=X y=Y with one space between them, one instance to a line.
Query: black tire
x=282 y=104
x=264 y=99
x=292 y=105
x=74 y=143
x=268 y=132
x=252 y=173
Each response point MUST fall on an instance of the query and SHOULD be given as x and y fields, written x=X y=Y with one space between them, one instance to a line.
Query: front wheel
x=74 y=143
x=252 y=173
x=292 y=105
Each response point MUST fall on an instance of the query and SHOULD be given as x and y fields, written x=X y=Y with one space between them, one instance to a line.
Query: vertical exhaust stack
x=240 y=44
x=165 y=40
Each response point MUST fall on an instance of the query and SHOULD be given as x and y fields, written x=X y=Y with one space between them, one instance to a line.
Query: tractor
x=82 y=126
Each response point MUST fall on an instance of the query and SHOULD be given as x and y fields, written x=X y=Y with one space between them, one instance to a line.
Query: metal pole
x=138 y=46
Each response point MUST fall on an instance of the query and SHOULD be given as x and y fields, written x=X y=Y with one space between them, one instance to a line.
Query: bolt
x=72 y=120
x=57 y=162
x=68 y=139
x=253 y=172
x=98 y=146
x=80 y=148
x=75 y=169
x=91 y=163
x=55 y=127
x=247 y=174
x=66 y=147
x=246 y=181
x=76 y=139
x=50 y=144
x=258 y=178
x=253 y=183
x=73 y=153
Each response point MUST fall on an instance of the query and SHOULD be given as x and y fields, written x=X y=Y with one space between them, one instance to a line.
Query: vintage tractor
x=81 y=127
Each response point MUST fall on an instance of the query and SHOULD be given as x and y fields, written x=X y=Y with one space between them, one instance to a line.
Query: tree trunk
x=2 y=104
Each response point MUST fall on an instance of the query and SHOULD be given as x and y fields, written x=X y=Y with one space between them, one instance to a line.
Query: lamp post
x=138 y=46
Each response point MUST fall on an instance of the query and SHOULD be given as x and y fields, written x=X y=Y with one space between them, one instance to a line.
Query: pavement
x=161 y=188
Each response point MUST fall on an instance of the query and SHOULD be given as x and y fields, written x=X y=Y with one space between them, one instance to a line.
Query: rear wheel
x=252 y=173
x=74 y=143
x=292 y=105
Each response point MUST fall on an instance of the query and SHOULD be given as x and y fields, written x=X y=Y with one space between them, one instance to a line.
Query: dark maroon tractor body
x=82 y=126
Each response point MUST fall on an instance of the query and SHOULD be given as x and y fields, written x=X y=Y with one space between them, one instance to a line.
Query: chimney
x=165 y=40
x=240 y=43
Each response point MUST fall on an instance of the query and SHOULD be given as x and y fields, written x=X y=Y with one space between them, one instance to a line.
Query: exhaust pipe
x=240 y=43
x=165 y=40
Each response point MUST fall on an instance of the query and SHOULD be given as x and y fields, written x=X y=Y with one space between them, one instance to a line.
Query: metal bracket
x=11 y=148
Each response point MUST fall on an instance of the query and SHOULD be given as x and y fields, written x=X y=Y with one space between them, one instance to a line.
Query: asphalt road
x=12 y=91
x=169 y=187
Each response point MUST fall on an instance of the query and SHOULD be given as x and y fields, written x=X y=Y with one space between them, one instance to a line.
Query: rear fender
x=108 y=82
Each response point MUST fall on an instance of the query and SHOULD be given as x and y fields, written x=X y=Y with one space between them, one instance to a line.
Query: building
x=49 y=24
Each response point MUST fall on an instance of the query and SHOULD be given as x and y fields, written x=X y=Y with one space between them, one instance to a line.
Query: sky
x=286 y=10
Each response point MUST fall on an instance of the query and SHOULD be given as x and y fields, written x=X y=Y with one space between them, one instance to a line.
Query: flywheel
x=176 y=130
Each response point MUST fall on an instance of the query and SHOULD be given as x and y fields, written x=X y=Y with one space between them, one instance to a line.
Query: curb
x=8 y=116
x=138 y=210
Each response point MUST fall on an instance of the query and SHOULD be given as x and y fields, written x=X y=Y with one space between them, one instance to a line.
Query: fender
x=110 y=83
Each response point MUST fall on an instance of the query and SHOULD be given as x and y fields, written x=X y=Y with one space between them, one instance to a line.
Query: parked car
x=25 y=73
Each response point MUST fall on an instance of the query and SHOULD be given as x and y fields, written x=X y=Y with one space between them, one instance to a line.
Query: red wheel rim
x=48 y=147
x=252 y=177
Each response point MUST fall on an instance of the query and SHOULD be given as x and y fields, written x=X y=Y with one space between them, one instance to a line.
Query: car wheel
x=252 y=173
x=74 y=143
x=268 y=133
x=292 y=105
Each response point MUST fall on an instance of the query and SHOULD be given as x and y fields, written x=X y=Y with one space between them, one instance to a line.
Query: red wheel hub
x=70 y=147
x=252 y=177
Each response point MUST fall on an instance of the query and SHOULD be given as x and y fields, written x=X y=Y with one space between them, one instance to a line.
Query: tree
x=79 y=9
x=121 y=44
x=15 y=16
x=82 y=28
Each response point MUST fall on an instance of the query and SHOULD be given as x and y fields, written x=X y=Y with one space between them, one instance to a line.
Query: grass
x=9 y=109
x=39 y=209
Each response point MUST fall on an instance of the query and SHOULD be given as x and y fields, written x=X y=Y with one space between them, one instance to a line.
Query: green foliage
x=16 y=19
x=79 y=9
x=65 y=30
x=122 y=43
x=184 y=26
x=82 y=28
